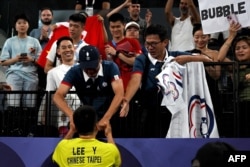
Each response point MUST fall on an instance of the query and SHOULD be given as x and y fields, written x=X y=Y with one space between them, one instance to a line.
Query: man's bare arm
x=168 y=12
x=119 y=8
x=195 y=17
x=133 y=86
x=48 y=66
x=59 y=99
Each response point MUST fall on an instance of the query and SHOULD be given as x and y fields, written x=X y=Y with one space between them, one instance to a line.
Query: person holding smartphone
x=19 y=53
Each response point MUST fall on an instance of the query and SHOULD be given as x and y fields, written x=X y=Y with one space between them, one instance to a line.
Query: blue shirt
x=149 y=68
x=152 y=69
x=98 y=93
x=15 y=46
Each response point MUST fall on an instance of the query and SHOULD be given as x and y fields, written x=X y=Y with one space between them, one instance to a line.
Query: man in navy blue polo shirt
x=155 y=118
x=97 y=83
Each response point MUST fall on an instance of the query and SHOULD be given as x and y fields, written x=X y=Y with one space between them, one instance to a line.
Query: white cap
x=132 y=24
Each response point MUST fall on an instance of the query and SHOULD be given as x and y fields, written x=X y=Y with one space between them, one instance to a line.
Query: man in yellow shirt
x=86 y=150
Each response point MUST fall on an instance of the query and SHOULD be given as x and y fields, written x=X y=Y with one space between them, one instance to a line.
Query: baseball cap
x=132 y=24
x=89 y=57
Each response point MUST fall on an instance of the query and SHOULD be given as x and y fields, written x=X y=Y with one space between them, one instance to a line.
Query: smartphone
x=232 y=18
x=23 y=54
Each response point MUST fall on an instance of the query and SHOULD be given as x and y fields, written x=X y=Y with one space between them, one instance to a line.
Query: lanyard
x=113 y=42
x=77 y=45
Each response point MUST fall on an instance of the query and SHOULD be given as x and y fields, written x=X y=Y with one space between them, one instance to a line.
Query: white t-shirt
x=181 y=36
x=52 y=53
x=54 y=78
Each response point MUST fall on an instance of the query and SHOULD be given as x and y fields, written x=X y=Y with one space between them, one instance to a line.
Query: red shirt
x=129 y=47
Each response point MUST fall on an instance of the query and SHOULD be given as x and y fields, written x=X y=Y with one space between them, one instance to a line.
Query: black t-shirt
x=97 y=3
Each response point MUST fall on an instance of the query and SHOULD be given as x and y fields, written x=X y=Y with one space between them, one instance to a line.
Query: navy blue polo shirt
x=150 y=82
x=101 y=96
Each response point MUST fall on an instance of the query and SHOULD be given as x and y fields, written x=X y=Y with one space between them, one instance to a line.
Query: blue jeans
x=19 y=83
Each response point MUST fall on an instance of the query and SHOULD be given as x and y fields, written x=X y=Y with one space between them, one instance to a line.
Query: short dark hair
x=58 y=42
x=156 y=29
x=77 y=17
x=21 y=16
x=197 y=27
x=212 y=153
x=46 y=8
x=85 y=119
x=117 y=17
x=241 y=38
x=136 y=1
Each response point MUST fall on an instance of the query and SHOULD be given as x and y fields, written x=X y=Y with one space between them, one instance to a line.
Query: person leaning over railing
x=97 y=83
x=241 y=49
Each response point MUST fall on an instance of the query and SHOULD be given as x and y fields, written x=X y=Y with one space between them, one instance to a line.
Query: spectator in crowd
x=76 y=26
x=218 y=39
x=134 y=8
x=97 y=83
x=42 y=33
x=94 y=32
x=122 y=50
x=132 y=30
x=65 y=49
x=155 y=118
x=91 y=5
x=20 y=53
x=181 y=35
x=212 y=72
x=241 y=50
x=86 y=145
x=212 y=154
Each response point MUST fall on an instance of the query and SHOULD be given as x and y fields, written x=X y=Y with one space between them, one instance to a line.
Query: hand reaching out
x=125 y=108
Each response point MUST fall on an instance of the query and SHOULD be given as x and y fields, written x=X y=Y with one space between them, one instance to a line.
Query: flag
x=192 y=110
x=93 y=35
x=57 y=33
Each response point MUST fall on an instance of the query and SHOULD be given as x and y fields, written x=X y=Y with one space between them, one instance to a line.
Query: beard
x=46 y=22
x=184 y=10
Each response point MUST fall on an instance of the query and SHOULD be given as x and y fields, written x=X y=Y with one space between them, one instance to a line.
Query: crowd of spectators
x=115 y=74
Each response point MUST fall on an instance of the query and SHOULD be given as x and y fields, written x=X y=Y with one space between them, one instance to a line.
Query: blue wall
x=35 y=152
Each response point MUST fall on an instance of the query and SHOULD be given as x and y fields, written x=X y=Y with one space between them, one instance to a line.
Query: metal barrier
x=38 y=116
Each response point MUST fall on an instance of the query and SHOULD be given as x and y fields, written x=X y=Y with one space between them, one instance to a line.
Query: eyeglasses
x=152 y=44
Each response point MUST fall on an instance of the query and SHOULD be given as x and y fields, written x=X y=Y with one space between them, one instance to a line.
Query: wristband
x=117 y=53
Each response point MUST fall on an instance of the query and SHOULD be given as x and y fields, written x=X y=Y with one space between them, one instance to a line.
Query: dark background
x=9 y=8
